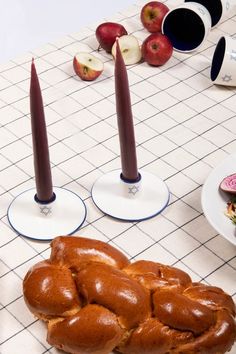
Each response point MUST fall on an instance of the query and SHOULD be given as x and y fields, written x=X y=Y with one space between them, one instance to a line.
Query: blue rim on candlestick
x=44 y=221
x=126 y=201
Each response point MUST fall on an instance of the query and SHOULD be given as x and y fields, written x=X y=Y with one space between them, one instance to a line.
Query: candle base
x=44 y=222
x=130 y=201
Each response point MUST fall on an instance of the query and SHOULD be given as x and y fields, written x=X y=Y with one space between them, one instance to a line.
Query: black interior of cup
x=218 y=58
x=184 y=28
x=214 y=7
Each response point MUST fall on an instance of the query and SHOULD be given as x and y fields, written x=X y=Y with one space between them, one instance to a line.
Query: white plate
x=214 y=201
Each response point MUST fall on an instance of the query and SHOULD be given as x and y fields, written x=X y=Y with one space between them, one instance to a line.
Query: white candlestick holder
x=127 y=201
x=44 y=221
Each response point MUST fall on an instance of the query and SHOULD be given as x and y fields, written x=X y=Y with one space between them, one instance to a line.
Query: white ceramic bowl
x=223 y=67
x=187 y=26
x=218 y=9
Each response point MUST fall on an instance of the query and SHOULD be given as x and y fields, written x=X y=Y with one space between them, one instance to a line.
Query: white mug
x=187 y=26
x=223 y=67
x=218 y=9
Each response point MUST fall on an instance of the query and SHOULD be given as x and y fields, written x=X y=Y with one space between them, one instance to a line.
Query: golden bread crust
x=95 y=301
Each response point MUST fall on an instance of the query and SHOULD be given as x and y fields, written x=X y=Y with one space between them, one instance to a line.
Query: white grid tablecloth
x=184 y=127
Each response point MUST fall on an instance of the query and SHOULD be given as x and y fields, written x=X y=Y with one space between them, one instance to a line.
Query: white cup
x=223 y=67
x=218 y=9
x=187 y=26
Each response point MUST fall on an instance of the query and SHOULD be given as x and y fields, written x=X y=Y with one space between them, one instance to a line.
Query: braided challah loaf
x=95 y=301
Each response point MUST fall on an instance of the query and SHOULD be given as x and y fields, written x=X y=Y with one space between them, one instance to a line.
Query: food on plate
x=231 y=210
x=107 y=32
x=228 y=185
x=94 y=300
x=152 y=15
x=157 y=49
x=87 y=66
x=130 y=49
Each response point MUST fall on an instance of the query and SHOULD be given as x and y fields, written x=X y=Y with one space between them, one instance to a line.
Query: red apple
x=107 y=32
x=152 y=15
x=87 y=66
x=157 y=49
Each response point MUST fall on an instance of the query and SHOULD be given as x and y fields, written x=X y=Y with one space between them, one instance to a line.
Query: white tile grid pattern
x=185 y=126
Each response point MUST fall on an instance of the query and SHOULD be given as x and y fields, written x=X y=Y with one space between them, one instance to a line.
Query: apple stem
x=99 y=48
x=152 y=14
x=155 y=46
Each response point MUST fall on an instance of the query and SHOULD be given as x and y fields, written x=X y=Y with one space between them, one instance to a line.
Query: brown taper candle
x=43 y=177
x=125 y=120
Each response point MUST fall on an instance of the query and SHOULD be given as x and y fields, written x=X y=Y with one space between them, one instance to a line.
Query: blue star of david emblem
x=202 y=11
x=45 y=210
x=133 y=190
x=233 y=55
x=227 y=78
